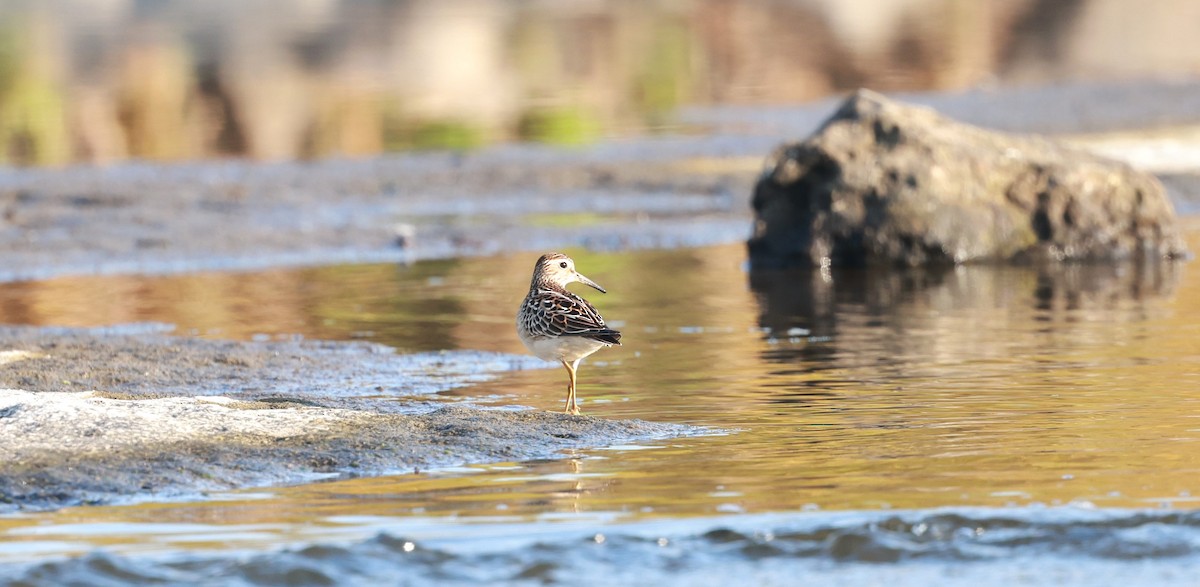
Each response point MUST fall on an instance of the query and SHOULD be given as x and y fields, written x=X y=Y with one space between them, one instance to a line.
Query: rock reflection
x=952 y=313
x=1097 y=287
x=813 y=299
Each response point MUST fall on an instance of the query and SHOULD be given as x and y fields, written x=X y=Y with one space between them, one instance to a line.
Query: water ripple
x=1034 y=542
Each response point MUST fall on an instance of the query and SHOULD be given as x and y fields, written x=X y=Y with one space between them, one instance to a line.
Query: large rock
x=886 y=183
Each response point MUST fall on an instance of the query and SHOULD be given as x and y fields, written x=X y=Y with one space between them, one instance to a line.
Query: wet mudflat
x=159 y=417
x=993 y=425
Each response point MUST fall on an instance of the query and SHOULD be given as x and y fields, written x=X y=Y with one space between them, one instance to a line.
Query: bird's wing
x=566 y=314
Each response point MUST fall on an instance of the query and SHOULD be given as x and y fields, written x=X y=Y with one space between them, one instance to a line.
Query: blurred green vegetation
x=444 y=134
x=33 y=128
x=358 y=78
x=664 y=80
x=561 y=80
x=562 y=126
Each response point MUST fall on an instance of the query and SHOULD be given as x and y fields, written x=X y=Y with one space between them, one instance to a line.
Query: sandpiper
x=557 y=325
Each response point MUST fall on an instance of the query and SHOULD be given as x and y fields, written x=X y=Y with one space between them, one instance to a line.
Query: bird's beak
x=587 y=281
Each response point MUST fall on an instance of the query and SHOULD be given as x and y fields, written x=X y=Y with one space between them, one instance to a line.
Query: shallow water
x=991 y=425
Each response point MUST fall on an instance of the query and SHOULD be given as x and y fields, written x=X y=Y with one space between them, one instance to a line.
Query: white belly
x=562 y=348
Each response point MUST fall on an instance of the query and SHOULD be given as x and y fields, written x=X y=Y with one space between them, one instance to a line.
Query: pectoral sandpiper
x=557 y=325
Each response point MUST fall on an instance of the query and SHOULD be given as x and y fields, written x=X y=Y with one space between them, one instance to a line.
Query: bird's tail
x=607 y=335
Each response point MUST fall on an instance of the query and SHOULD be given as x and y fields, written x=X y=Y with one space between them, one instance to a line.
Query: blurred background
x=96 y=81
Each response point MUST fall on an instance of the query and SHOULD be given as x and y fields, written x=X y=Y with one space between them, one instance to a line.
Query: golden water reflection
x=977 y=386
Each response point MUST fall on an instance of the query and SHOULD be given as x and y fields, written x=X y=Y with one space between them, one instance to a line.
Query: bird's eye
x=563 y=264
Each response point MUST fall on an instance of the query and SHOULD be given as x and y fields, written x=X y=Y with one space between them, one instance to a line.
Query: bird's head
x=559 y=269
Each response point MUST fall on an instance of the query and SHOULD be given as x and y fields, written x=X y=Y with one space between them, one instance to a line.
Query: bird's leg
x=570 y=387
x=574 y=378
